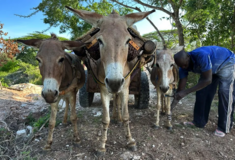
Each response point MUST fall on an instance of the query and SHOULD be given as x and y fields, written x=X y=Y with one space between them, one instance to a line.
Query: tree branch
x=27 y=15
x=154 y=7
x=138 y=9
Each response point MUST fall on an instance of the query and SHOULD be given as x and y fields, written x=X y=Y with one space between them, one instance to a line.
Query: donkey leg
x=52 y=122
x=117 y=116
x=131 y=144
x=73 y=117
x=168 y=112
x=105 y=120
x=115 y=110
x=158 y=107
x=163 y=105
x=66 y=111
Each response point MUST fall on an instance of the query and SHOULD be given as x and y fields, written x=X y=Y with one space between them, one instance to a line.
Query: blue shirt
x=206 y=58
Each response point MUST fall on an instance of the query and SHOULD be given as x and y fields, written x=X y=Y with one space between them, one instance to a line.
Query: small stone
x=182 y=144
x=30 y=130
x=21 y=133
x=62 y=136
x=23 y=105
x=67 y=145
x=37 y=140
x=153 y=146
x=114 y=142
x=143 y=154
x=99 y=133
x=181 y=136
x=231 y=139
x=135 y=157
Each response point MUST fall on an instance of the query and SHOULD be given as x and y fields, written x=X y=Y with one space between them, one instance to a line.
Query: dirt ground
x=180 y=143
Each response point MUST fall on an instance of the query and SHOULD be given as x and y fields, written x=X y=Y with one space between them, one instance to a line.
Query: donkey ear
x=176 y=49
x=31 y=42
x=135 y=17
x=73 y=45
x=90 y=17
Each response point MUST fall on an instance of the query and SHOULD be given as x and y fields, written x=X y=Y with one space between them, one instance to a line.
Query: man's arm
x=205 y=79
x=182 y=84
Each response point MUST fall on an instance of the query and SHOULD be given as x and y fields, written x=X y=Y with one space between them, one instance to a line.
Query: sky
x=19 y=27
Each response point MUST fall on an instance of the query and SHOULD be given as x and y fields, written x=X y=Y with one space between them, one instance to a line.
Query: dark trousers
x=226 y=93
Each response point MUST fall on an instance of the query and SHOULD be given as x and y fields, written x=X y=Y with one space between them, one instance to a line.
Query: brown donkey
x=62 y=75
x=164 y=77
x=112 y=67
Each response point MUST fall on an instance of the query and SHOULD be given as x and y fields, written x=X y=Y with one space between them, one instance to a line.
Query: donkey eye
x=61 y=60
x=171 y=65
x=157 y=65
x=128 y=41
x=100 y=41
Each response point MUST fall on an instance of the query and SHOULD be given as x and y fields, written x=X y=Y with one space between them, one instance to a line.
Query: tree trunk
x=180 y=30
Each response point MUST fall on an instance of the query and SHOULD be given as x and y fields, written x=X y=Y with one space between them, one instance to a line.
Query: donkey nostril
x=107 y=81
x=122 y=80
x=56 y=93
x=42 y=94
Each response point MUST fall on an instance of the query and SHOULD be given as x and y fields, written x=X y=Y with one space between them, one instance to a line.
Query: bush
x=28 y=56
x=31 y=73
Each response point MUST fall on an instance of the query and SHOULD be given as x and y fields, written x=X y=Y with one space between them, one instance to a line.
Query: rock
x=23 y=105
x=29 y=130
x=126 y=156
x=136 y=157
x=98 y=114
x=21 y=134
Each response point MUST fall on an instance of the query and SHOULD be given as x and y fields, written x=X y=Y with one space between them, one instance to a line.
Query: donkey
x=113 y=39
x=164 y=76
x=62 y=75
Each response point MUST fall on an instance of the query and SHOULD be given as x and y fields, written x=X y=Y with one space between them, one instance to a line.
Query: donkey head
x=113 y=39
x=51 y=59
x=165 y=65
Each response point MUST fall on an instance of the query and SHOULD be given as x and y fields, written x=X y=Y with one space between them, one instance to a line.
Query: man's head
x=182 y=59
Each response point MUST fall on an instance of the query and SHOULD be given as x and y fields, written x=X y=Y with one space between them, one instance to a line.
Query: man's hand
x=179 y=95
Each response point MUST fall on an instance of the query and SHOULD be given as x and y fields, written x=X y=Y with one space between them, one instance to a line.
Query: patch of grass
x=30 y=120
x=41 y=121
x=80 y=114
x=25 y=155
x=97 y=119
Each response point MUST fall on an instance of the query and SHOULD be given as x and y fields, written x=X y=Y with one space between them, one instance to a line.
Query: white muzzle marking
x=50 y=84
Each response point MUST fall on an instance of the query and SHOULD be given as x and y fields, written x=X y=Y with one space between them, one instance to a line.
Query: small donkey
x=164 y=77
x=62 y=75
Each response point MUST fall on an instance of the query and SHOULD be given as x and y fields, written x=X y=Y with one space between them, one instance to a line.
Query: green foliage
x=10 y=67
x=41 y=121
x=32 y=71
x=28 y=56
x=211 y=22
x=14 y=65
x=38 y=36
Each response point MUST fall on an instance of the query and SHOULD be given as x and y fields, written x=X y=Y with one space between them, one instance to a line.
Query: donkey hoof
x=155 y=126
x=77 y=144
x=118 y=122
x=100 y=152
x=163 y=113
x=47 y=148
x=169 y=128
x=132 y=148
